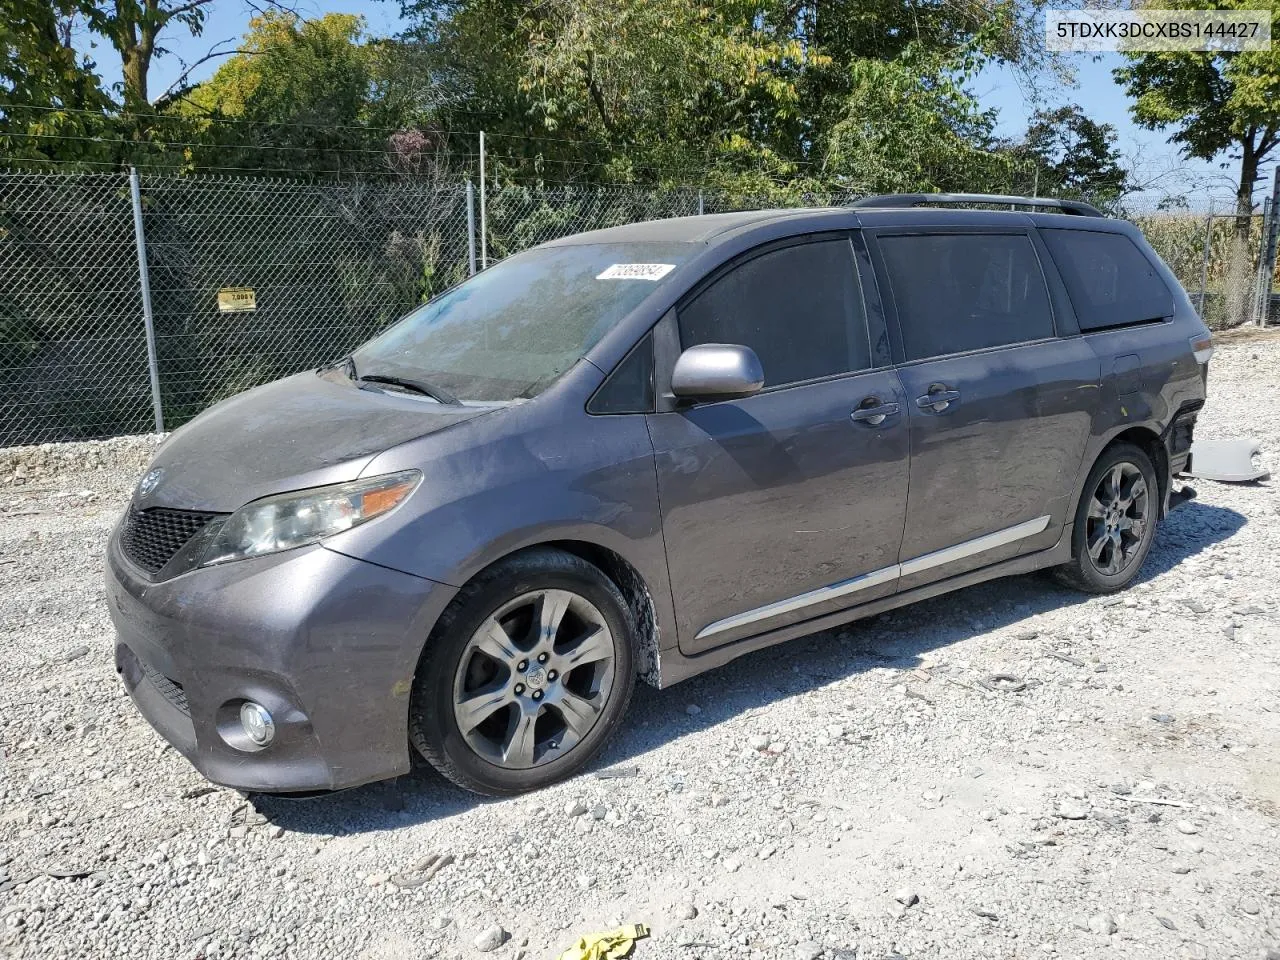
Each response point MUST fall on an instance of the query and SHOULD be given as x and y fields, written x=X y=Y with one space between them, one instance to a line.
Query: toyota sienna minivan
x=642 y=452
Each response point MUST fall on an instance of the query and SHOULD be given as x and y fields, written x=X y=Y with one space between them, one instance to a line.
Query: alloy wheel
x=534 y=678
x=1116 y=524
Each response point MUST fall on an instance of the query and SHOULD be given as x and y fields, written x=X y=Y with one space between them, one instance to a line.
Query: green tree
x=746 y=92
x=135 y=29
x=910 y=124
x=40 y=69
x=615 y=90
x=1216 y=103
x=304 y=96
x=46 y=87
x=1072 y=155
x=898 y=32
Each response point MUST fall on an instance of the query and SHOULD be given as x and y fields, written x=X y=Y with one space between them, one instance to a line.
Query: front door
x=999 y=405
x=790 y=503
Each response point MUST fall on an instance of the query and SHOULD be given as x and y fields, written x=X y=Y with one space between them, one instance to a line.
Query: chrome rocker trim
x=919 y=564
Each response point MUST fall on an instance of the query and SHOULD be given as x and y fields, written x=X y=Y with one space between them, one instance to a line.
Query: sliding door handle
x=874 y=415
x=936 y=401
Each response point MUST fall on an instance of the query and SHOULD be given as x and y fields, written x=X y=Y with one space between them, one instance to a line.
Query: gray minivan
x=642 y=452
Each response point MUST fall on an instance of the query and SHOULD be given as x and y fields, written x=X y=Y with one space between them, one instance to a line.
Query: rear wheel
x=525 y=677
x=1115 y=521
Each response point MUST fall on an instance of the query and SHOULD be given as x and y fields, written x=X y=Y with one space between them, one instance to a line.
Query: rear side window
x=799 y=308
x=960 y=292
x=1111 y=281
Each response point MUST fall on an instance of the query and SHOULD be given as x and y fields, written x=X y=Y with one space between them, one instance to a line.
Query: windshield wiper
x=347 y=364
x=438 y=394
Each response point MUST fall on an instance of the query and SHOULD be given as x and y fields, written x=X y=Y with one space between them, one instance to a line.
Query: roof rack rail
x=1076 y=208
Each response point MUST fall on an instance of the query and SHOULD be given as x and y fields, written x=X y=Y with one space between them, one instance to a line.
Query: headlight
x=305 y=516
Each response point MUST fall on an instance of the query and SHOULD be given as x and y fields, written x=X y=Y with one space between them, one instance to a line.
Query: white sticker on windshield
x=636 y=271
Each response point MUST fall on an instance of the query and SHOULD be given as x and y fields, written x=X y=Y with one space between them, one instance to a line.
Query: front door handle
x=938 y=399
x=874 y=412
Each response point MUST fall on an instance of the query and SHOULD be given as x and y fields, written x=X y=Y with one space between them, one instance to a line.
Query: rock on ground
x=851 y=756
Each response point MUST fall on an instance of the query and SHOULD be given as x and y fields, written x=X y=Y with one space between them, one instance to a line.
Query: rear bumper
x=1180 y=435
x=327 y=643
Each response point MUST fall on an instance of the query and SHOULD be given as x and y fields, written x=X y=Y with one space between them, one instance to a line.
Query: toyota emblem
x=150 y=482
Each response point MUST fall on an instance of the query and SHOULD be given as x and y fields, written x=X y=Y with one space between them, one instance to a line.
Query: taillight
x=1202 y=347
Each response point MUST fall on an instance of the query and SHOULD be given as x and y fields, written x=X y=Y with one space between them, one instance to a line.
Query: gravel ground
x=852 y=794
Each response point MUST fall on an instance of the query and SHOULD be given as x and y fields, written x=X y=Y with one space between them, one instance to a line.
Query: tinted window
x=629 y=389
x=963 y=292
x=511 y=331
x=799 y=308
x=1111 y=282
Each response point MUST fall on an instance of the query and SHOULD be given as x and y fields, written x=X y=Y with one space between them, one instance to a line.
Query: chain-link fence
x=1217 y=260
x=252 y=279
x=328 y=266
x=73 y=356
x=521 y=217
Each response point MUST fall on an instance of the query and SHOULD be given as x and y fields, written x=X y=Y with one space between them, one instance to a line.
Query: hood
x=303 y=431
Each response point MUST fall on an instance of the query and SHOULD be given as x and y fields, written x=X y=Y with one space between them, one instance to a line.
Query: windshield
x=510 y=332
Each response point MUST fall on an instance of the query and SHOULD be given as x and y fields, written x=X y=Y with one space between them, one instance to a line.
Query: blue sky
x=1154 y=159
x=1147 y=152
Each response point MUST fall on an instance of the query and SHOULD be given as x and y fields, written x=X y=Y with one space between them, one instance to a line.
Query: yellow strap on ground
x=606 y=946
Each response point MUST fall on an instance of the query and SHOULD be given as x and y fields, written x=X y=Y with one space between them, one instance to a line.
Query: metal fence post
x=135 y=191
x=484 y=233
x=700 y=205
x=1261 y=279
x=1204 y=261
x=1267 y=261
x=471 y=227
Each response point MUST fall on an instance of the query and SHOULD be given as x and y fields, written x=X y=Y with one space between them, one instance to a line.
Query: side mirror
x=717 y=371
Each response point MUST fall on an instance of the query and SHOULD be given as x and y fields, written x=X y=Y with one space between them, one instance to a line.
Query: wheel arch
x=1151 y=443
x=625 y=576
x=638 y=596
x=1147 y=438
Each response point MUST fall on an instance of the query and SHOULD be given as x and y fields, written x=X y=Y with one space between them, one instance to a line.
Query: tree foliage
x=135 y=29
x=910 y=124
x=306 y=96
x=1215 y=103
x=52 y=104
x=757 y=97
x=740 y=91
x=1072 y=155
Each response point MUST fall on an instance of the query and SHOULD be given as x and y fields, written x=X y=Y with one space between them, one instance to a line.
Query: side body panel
x=1005 y=454
x=1149 y=370
x=677 y=668
x=1148 y=394
x=773 y=496
x=541 y=468
x=531 y=474
x=993 y=469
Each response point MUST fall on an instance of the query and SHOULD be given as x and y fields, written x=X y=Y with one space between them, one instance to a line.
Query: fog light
x=257 y=723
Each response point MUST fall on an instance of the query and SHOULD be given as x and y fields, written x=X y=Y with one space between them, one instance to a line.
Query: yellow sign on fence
x=237 y=300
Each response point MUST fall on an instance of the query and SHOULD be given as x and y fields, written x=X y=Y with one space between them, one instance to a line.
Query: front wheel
x=1115 y=521
x=526 y=675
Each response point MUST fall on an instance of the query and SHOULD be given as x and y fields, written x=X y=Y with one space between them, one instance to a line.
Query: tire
x=1101 y=563
x=491 y=716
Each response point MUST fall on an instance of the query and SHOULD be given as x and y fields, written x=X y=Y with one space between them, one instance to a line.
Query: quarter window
x=629 y=389
x=1111 y=281
x=960 y=292
x=799 y=308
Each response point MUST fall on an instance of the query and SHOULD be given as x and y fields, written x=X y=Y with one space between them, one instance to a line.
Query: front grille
x=151 y=537
x=171 y=690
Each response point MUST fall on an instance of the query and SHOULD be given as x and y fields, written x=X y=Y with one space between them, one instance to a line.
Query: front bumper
x=327 y=643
